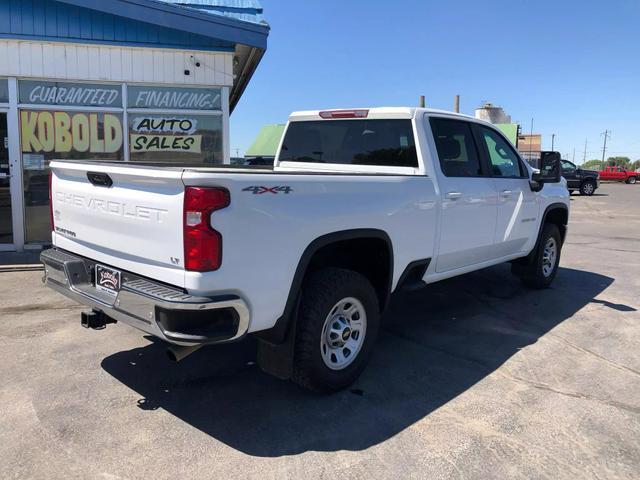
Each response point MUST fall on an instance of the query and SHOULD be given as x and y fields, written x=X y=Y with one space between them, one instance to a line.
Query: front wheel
x=542 y=269
x=588 y=188
x=338 y=323
x=631 y=180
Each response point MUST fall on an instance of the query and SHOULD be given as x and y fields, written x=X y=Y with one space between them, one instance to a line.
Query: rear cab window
x=363 y=142
x=457 y=150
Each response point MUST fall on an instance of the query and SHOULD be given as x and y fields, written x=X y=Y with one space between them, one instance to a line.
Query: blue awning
x=229 y=24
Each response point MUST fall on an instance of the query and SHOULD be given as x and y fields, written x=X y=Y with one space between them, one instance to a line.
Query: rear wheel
x=337 y=327
x=587 y=187
x=631 y=180
x=542 y=269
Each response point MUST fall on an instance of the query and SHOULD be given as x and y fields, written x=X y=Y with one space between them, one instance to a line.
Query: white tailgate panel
x=135 y=225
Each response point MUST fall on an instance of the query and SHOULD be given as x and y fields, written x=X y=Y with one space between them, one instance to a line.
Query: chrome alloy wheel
x=343 y=333
x=588 y=188
x=549 y=256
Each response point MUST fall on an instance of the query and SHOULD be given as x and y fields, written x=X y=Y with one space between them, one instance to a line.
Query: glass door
x=6 y=217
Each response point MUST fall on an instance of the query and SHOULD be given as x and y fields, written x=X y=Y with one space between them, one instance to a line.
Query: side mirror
x=549 y=170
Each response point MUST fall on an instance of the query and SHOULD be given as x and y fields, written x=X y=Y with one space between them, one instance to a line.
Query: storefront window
x=85 y=121
x=48 y=135
x=176 y=138
x=4 y=90
x=164 y=128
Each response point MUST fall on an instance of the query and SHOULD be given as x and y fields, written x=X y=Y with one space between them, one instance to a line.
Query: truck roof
x=377 y=112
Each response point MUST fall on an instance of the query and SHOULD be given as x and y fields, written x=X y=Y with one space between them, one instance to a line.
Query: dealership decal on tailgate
x=107 y=280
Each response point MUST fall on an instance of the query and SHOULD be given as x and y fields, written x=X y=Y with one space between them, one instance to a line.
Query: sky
x=572 y=66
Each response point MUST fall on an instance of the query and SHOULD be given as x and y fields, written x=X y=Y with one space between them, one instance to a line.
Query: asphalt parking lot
x=474 y=377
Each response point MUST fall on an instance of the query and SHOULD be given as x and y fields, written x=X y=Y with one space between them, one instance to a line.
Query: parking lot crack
x=591 y=352
x=549 y=388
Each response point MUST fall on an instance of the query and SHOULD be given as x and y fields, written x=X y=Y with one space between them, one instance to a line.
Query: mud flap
x=277 y=358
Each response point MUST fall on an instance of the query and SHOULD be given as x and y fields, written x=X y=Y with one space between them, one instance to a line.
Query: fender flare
x=279 y=332
x=550 y=208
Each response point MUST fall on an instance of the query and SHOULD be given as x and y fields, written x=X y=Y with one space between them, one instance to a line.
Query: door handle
x=506 y=193
x=454 y=195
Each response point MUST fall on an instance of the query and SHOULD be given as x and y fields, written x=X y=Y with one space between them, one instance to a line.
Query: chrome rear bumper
x=163 y=311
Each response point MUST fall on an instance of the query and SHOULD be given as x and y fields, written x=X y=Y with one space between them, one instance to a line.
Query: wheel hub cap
x=343 y=333
x=549 y=256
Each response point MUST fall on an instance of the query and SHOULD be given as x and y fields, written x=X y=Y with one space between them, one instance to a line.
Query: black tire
x=321 y=292
x=631 y=180
x=588 y=188
x=535 y=273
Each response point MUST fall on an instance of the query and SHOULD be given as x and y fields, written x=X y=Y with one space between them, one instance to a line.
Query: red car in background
x=619 y=174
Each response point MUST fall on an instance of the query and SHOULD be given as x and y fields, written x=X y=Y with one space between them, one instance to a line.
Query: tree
x=592 y=165
x=636 y=165
x=619 y=162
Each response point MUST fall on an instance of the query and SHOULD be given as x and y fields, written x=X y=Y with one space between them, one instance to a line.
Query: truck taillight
x=51 y=200
x=202 y=244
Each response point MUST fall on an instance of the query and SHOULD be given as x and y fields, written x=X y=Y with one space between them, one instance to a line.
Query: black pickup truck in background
x=585 y=181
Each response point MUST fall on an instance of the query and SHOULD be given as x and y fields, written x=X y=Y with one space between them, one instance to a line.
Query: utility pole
x=531 y=139
x=584 y=156
x=553 y=140
x=607 y=134
x=573 y=159
x=456 y=104
x=422 y=103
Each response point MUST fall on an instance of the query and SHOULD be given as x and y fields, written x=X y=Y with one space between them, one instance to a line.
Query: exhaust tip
x=178 y=352
x=171 y=354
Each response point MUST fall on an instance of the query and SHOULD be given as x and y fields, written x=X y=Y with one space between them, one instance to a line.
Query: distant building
x=530 y=147
x=264 y=148
x=510 y=130
x=492 y=113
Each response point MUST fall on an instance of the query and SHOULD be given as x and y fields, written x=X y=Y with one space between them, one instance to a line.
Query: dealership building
x=115 y=80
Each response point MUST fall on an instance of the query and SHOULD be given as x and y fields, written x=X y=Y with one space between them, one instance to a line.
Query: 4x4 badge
x=259 y=190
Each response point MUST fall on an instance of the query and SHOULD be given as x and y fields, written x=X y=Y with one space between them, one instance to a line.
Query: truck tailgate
x=134 y=224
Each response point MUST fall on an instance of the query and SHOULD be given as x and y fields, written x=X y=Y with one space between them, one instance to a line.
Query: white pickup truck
x=304 y=255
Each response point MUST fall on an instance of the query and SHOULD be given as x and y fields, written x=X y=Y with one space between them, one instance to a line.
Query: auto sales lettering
x=161 y=134
x=60 y=132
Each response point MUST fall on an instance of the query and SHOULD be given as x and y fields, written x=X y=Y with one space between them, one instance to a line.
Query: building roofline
x=182 y=18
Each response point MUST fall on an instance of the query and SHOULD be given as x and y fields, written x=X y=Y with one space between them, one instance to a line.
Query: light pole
x=553 y=140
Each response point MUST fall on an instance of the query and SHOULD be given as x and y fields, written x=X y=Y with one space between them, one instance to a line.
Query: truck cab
x=580 y=179
x=619 y=174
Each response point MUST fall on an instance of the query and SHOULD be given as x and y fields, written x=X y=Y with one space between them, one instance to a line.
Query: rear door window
x=351 y=142
x=456 y=147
